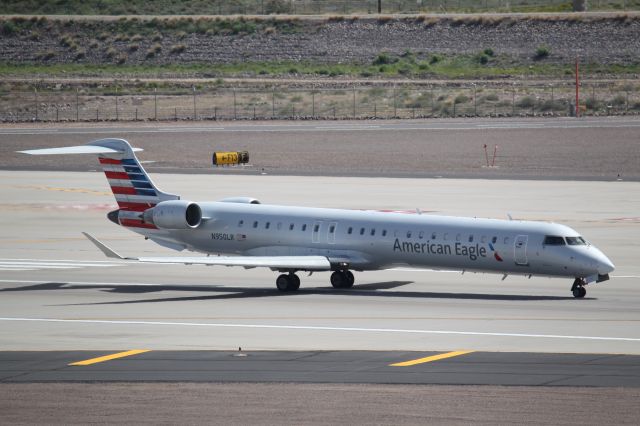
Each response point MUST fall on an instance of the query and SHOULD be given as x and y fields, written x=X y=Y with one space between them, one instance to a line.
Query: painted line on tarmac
x=430 y=359
x=110 y=357
x=322 y=328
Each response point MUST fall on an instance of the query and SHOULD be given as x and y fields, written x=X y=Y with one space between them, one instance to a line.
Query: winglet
x=103 y=248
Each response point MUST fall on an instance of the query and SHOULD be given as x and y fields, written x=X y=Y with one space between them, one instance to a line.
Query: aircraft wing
x=305 y=263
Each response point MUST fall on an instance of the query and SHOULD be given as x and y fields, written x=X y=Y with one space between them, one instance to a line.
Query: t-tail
x=132 y=188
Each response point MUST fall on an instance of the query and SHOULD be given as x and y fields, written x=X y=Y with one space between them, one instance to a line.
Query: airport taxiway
x=59 y=293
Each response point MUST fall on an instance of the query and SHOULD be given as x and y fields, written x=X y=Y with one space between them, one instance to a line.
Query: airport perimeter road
x=591 y=148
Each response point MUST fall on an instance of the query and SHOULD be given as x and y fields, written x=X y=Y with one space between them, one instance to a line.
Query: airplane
x=241 y=231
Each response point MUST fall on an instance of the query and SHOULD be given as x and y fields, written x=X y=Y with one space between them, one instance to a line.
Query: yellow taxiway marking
x=110 y=357
x=430 y=359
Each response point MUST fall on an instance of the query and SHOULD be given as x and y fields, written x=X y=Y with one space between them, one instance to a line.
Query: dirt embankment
x=134 y=41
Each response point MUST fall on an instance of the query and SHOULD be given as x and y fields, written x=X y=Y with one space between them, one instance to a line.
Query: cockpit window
x=576 y=241
x=552 y=240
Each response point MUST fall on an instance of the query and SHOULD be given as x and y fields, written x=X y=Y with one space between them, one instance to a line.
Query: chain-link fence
x=474 y=100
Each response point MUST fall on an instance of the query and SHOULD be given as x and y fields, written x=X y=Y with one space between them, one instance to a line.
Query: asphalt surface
x=62 y=302
x=363 y=367
x=603 y=148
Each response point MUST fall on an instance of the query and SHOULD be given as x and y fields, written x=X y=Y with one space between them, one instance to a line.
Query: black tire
x=350 y=279
x=583 y=292
x=338 y=279
x=579 y=292
x=283 y=282
x=295 y=282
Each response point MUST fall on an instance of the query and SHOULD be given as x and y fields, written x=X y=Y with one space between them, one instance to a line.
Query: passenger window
x=304 y=227
x=316 y=228
x=494 y=240
x=373 y=231
x=291 y=227
x=350 y=230
x=421 y=235
x=255 y=224
x=470 y=238
x=553 y=240
x=433 y=236
x=332 y=229
x=267 y=225
x=279 y=226
x=408 y=234
x=240 y=224
x=384 y=232
x=361 y=231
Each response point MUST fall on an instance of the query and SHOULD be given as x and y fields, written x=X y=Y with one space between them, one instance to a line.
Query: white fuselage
x=369 y=240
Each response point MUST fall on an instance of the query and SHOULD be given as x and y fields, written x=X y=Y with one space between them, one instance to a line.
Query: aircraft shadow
x=224 y=292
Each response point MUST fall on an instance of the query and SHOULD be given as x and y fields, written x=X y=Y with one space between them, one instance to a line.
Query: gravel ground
x=297 y=404
x=597 y=39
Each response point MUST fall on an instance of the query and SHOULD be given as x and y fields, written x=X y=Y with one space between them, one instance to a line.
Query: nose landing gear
x=578 y=289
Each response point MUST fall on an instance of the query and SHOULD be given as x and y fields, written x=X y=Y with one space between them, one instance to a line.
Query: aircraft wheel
x=338 y=279
x=284 y=283
x=295 y=282
x=579 y=292
x=350 y=279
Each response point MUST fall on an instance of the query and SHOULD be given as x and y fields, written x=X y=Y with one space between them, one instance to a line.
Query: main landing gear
x=288 y=282
x=578 y=289
x=291 y=282
x=342 y=279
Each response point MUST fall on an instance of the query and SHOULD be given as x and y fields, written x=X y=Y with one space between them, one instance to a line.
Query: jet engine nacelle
x=174 y=214
x=242 y=200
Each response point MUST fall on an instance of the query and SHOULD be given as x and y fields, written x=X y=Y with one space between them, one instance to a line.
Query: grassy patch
x=453 y=67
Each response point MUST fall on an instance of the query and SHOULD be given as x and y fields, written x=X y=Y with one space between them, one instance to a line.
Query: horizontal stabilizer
x=80 y=149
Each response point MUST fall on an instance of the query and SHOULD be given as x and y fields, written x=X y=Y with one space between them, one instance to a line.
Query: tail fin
x=132 y=188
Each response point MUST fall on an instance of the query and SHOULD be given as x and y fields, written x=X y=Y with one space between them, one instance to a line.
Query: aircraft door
x=520 y=250
x=316 y=231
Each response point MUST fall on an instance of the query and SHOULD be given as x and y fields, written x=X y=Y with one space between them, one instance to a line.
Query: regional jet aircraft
x=243 y=232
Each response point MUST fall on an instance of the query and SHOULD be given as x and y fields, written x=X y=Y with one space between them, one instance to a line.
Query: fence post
x=117 y=117
x=395 y=105
x=475 y=102
x=273 y=102
x=57 y=114
x=354 y=102
x=513 y=101
x=35 y=90
x=97 y=114
x=313 y=104
x=155 y=104
x=77 y=104
x=235 y=115
x=175 y=114
x=195 y=112
x=136 y=114
x=215 y=113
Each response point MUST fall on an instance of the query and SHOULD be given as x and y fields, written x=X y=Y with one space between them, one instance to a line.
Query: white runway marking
x=323 y=328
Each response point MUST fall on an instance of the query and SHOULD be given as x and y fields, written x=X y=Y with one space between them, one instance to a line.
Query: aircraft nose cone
x=605 y=265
